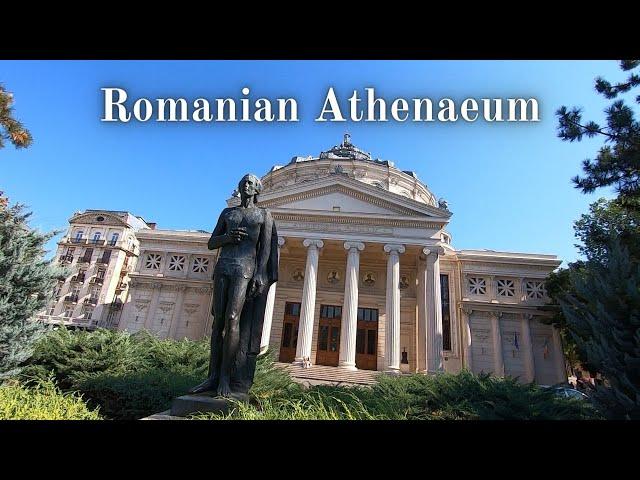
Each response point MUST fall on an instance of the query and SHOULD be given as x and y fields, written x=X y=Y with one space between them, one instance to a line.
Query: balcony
x=97 y=241
x=91 y=301
x=71 y=298
x=65 y=258
x=79 y=278
x=78 y=241
x=104 y=260
x=84 y=260
x=96 y=281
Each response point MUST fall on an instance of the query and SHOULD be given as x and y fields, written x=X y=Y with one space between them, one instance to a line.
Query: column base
x=393 y=371
x=263 y=350
x=348 y=366
x=304 y=362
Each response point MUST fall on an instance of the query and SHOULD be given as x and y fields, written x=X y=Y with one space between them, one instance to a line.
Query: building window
x=446 y=312
x=52 y=309
x=367 y=314
x=200 y=265
x=330 y=311
x=68 y=311
x=153 y=261
x=176 y=263
x=506 y=288
x=477 y=286
x=96 y=237
x=79 y=235
x=100 y=274
x=534 y=289
x=114 y=239
x=87 y=313
x=70 y=251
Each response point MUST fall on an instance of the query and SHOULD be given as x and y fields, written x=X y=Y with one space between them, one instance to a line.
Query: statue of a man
x=246 y=268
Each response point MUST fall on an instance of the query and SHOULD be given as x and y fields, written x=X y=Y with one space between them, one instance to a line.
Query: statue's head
x=250 y=186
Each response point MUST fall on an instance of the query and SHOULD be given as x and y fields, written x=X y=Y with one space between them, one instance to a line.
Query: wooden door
x=290 y=332
x=367 y=339
x=329 y=335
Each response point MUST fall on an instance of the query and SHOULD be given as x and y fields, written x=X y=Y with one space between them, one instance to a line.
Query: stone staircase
x=323 y=375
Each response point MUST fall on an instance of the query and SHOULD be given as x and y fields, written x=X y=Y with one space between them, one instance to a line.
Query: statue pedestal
x=198 y=403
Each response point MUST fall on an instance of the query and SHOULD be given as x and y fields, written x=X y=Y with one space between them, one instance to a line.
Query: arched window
x=114 y=238
x=96 y=236
x=79 y=235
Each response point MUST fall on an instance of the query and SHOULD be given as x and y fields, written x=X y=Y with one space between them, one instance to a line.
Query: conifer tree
x=26 y=285
x=10 y=128
x=603 y=315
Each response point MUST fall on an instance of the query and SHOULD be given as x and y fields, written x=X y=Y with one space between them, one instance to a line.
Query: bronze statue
x=247 y=266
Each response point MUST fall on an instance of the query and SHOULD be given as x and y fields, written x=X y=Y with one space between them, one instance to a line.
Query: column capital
x=527 y=316
x=281 y=241
x=494 y=314
x=312 y=242
x=466 y=309
x=435 y=249
x=392 y=247
x=350 y=245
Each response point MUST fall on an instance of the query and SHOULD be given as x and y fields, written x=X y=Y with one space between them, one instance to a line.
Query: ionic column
x=177 y=313
x=434 y=310
x=268 y=310
x=421 y=351
x=527 y=348
x=305 y=331
x=498 y=360
x=561 y=370
x=157 y=288
x=392 y=333
x=466 y=338
x=349 y=326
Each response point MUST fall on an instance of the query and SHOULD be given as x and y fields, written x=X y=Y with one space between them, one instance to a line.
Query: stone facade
x=368 y=279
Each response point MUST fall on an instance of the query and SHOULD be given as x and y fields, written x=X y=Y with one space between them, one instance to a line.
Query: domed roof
x=347 y=159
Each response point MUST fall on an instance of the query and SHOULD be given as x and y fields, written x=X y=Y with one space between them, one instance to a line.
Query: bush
x=42 y=401
x=127 y=376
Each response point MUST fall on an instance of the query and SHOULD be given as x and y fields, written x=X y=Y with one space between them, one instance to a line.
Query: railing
x=78 y=278
x=62 y=320
x=103 y=260
x=65 y=258
x=71 y=298
x=91 y=301
x=96 y=281
x=97 y=241
x=84 y=260
x=78 y=241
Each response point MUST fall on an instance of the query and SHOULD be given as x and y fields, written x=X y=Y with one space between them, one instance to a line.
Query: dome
x=347 y=159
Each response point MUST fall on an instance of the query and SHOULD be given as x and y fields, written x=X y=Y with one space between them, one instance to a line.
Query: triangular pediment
x=339 y=193
x=91 y=218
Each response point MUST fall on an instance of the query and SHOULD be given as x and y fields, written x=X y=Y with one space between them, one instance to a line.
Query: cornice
x=362 y=220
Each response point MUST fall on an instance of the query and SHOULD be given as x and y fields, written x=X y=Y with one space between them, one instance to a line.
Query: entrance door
x=329 y=335
x=290 y=332
x=367 y=339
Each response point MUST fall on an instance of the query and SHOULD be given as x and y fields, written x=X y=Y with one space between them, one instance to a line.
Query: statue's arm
x=265 y=244
x=218 y=236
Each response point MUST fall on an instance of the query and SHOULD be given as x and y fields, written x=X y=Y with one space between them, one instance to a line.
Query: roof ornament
x=346 y=150
x=443 y=204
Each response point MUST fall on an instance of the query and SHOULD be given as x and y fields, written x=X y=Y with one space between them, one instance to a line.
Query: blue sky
x=508 y=185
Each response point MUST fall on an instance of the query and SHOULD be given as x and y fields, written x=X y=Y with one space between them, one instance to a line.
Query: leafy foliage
x=42 y=401
x=618 y=162
x=26 y=285
x=10 y=128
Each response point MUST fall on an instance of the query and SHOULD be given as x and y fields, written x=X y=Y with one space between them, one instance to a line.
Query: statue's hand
x=236 y=235
x=256 y=285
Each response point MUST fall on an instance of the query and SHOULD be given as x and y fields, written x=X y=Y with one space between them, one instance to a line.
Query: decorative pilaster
x=527 y=348
x=305 y=331
x=177 y=312
x=349 y=326
x=157 y=288
x=268 y=310
x=392 y=333
x=466 y=338
x=561 y=370
x=498 y=360
x=434 y=310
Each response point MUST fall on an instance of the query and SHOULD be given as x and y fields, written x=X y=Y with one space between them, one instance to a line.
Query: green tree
x=26 y=285
x=618 y=161
x=10 y=128
x=602 y=311
x=598 y=299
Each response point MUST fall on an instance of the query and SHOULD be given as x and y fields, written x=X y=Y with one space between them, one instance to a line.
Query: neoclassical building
x=369 y=279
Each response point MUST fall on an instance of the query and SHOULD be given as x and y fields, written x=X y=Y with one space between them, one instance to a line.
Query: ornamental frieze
x=330 y=227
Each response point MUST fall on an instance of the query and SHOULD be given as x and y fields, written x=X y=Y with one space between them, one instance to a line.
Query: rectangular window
x=446 y=312
x=323 y=338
